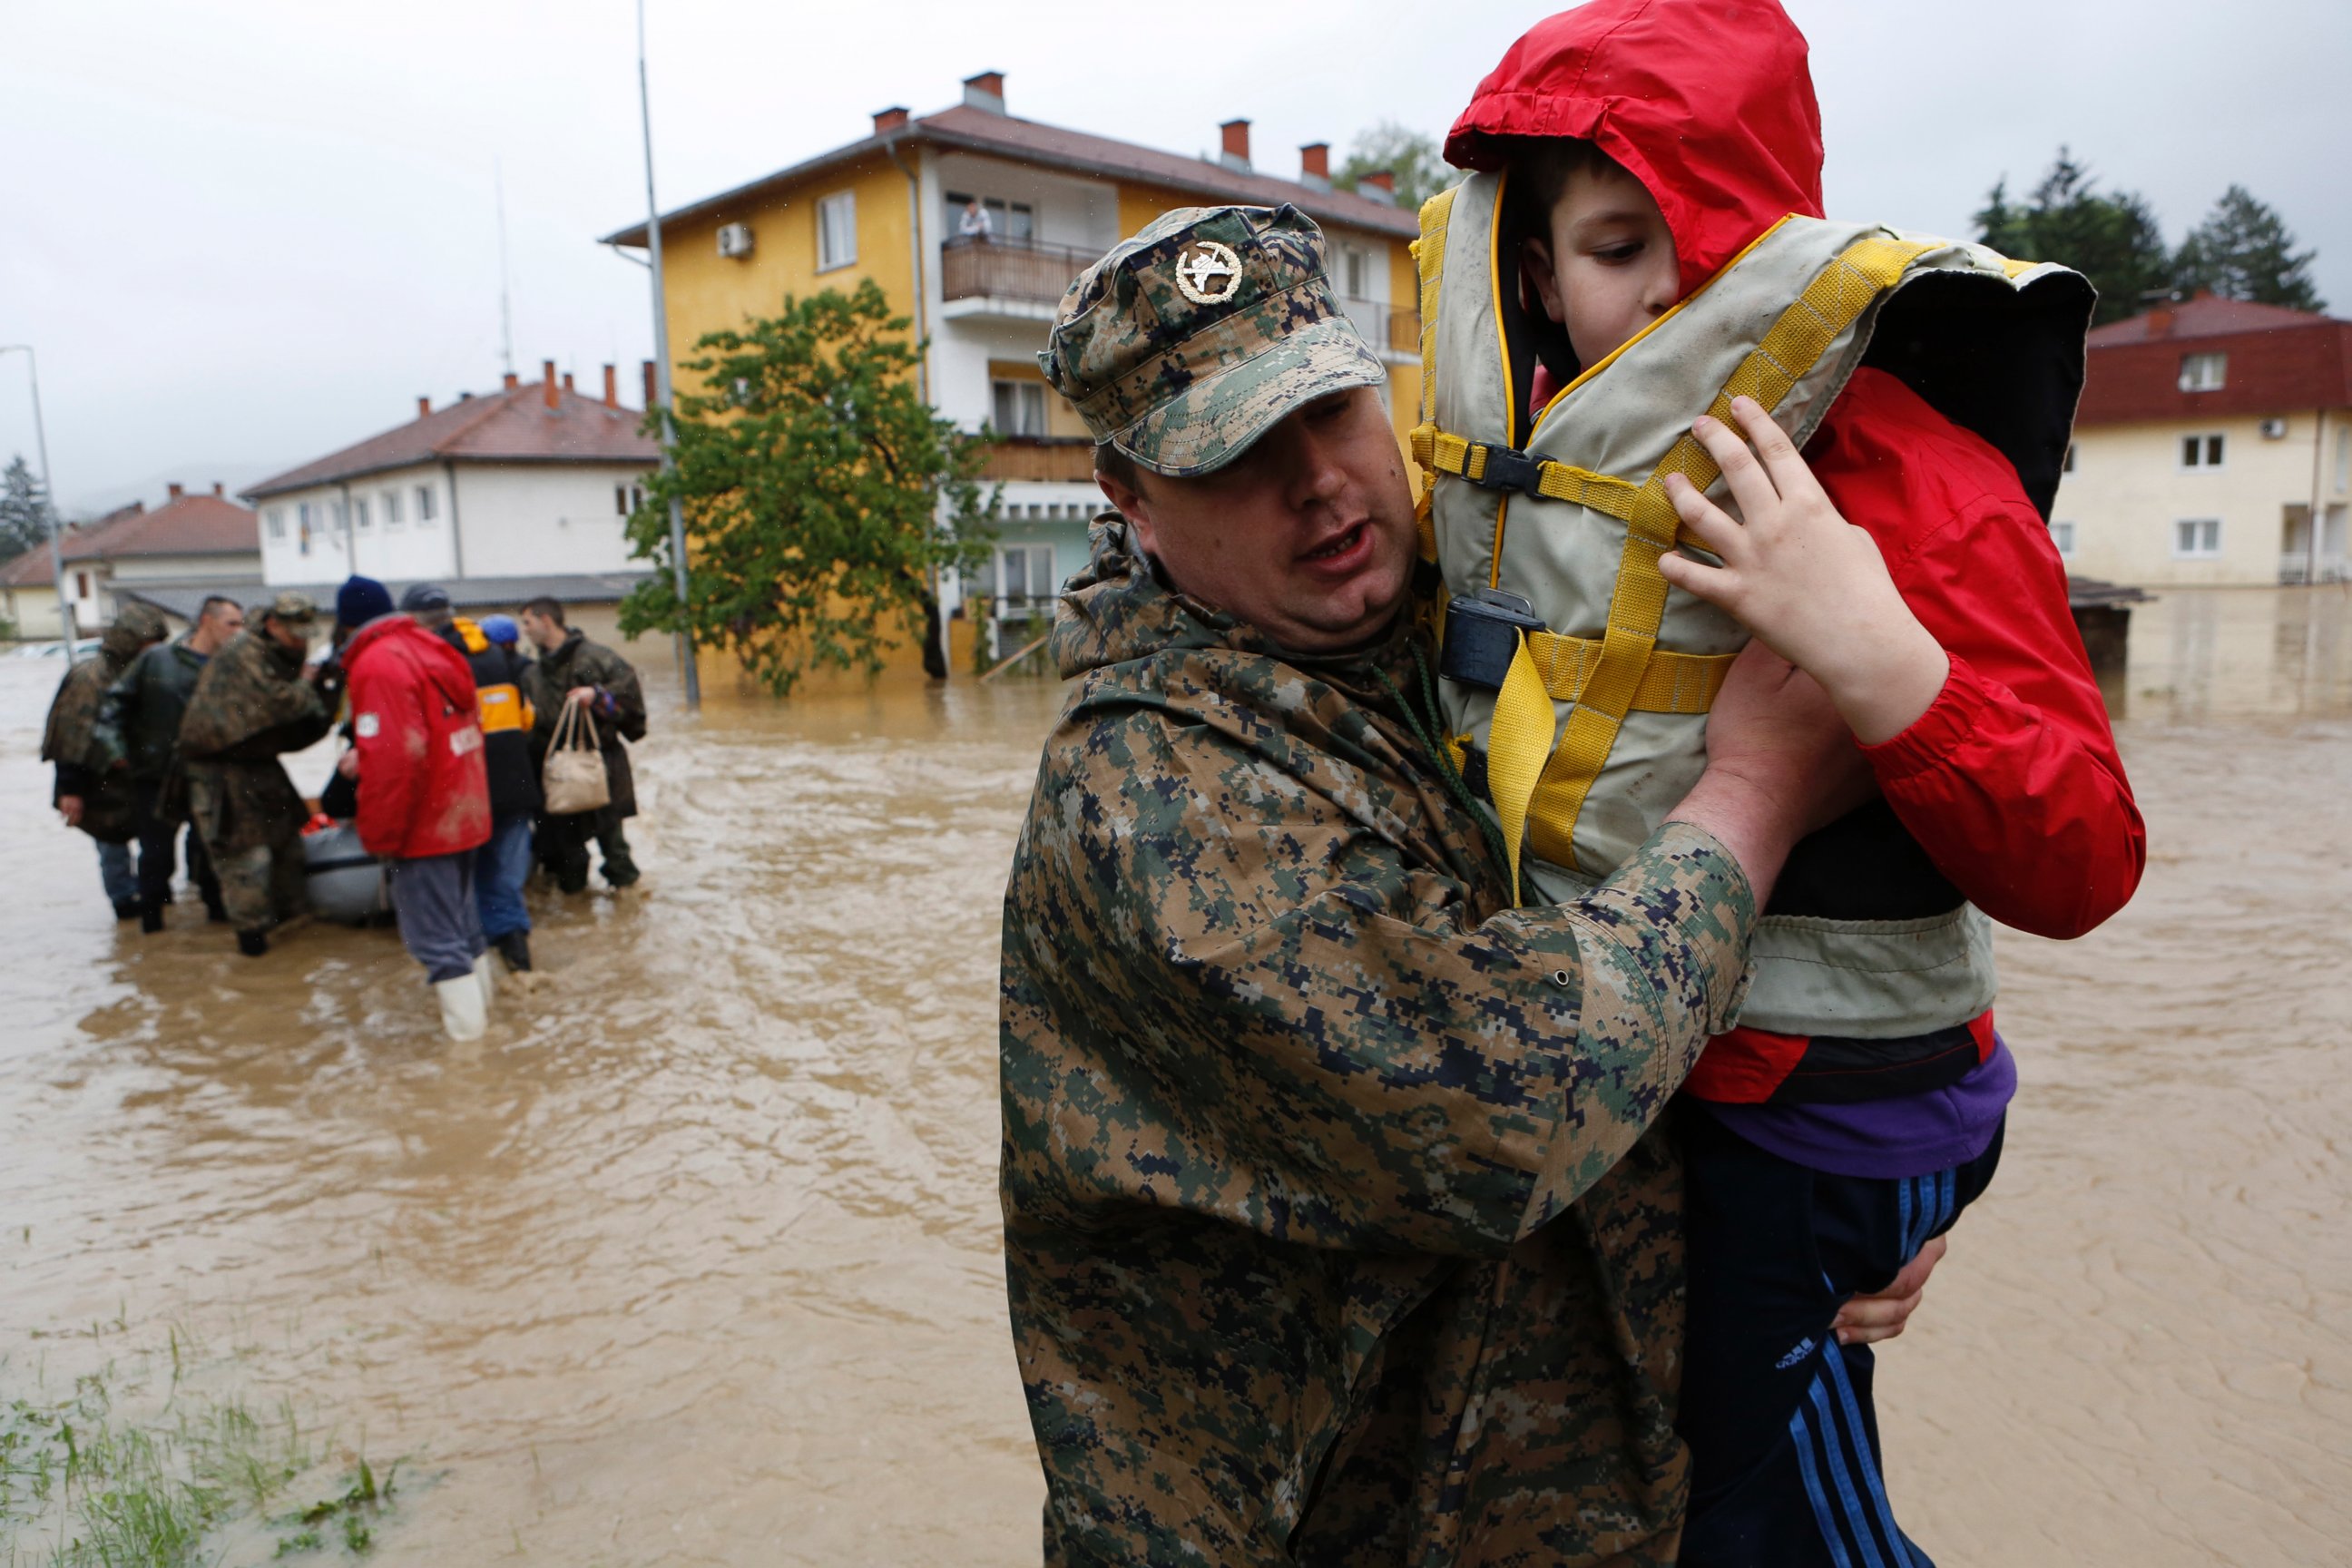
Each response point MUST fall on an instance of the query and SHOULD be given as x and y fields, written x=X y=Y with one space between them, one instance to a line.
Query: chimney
x=886 y=121
x=652 y=382
x=217 y=488
x=985 y=91
x=612 y=388
x=567 y=381
x=1235 y=151
x=546 y=380
x=424 y=406
x=175 y=489
x=2160 y=320
x=513 y=381
x=1380 y=185
x=1315 y=165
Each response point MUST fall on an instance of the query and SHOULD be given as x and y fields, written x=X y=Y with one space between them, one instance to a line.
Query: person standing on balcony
x=976 y=224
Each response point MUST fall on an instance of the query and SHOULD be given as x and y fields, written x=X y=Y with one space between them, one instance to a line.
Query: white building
x=191 y=545
x=535 y=481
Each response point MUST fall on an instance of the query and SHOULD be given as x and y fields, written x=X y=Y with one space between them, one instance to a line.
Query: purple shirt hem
x=1911 y=1135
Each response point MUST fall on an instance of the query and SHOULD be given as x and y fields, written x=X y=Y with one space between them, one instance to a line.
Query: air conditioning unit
x=2273 y=429
x=735 y=239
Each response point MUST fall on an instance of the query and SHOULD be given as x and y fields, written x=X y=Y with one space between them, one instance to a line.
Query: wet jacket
x=415 y=722
x=499 y=672
x=139 y=720
x=69 y=739
x=576 y=661
x=2009 y=788
x=1335 y=1229
x=251 y=703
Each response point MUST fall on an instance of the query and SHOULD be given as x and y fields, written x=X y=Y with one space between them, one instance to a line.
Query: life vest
x=503 y=706
x=1584 y=714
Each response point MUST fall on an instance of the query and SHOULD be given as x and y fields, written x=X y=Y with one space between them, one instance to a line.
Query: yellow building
x=974 y=222
x=2213 y=446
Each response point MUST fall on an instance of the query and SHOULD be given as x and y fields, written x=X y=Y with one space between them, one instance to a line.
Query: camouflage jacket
x=69 y=738
x=251 y=702
x=579 y=662
x=1335 y=1229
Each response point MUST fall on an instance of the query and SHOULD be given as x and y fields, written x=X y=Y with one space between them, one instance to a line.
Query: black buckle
x=1506 y=469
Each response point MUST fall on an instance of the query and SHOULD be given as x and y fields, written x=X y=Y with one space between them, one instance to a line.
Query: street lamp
x=661 y=378
x=48 y=497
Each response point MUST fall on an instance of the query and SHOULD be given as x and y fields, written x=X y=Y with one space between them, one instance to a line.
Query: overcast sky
x=244 y=233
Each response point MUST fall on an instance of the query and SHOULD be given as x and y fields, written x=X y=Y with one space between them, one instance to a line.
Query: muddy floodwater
x=695 y=1260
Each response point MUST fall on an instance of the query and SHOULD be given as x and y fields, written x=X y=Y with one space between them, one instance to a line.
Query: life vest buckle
x=1483 y=629
x=1506 y=468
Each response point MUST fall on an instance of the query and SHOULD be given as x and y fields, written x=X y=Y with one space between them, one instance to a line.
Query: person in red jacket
x=424 y=795
x=1649 y=142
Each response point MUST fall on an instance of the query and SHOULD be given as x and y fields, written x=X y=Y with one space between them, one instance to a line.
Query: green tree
x=26 y=515
x=822 y=497
x=2243 y=250
x=2111 y=239
x=1412 y=157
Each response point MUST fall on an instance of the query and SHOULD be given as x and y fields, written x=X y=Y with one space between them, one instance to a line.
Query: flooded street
x=695 y=1259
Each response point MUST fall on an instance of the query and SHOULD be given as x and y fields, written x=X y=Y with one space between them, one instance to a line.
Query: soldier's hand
x=69 y=807
x=580 y=695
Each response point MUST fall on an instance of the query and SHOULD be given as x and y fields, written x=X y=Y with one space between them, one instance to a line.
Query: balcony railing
x=1393 y=329
x=1025 y=269
x=1066 y=458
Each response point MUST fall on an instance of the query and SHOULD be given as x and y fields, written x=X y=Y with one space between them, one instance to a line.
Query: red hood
x=442 y=664
x=1707 y=102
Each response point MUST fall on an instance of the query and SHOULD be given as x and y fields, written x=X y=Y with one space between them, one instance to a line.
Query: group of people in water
x=448 y=723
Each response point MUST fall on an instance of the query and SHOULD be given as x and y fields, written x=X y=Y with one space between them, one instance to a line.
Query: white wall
x=405 y=550
x=186 y=568
x=518 y=520
x=2128 y=488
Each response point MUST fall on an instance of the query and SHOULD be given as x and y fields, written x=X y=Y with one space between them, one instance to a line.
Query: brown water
x=694 y=1260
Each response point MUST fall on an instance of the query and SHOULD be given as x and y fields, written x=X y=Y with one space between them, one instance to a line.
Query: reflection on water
x=695 y=1260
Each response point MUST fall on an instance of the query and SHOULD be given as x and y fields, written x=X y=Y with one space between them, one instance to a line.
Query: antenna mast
x=506 y=305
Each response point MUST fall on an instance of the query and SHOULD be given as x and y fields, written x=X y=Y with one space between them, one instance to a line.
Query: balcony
x=1061 y=459
x=1008 y=279
x=1393 y=330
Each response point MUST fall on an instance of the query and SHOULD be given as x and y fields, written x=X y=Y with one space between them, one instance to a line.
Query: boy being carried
x=1651 y=176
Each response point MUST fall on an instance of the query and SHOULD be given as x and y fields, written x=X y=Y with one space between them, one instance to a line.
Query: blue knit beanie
x=361 y=600
x=502 y=629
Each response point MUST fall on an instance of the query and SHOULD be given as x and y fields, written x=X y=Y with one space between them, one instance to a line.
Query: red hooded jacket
x=2009 y=780
x=422 y=790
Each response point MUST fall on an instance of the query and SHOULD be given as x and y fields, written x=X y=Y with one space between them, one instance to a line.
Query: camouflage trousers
x=250 y=819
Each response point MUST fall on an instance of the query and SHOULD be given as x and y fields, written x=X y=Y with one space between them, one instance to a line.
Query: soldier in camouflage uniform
x=85 y=794
x=1338 y=1229
x=253 y=703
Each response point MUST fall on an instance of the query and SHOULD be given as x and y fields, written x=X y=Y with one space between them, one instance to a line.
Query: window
x=302 y=527
x=2197 y=539
x=1020 y=407
x=359 y=514
x=997 y=219
x=627 y=498
x=424 y=505
x=837 y=230
x=2062 y=535
x=2200 y=451
x=2343 y=459
x=1025 y=572
x=2068 y=466
x=1355 y=272
x=2203 y=373
x=81 y=584
x=392 y=518
x=275 y=518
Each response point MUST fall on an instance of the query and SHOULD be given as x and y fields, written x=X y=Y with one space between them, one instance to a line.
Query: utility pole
x=506 y=308
x=661 y=381
x=48 y=497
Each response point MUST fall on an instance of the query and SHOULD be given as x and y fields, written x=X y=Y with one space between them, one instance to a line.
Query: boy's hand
x=1809 y=585
x=1866 y=1320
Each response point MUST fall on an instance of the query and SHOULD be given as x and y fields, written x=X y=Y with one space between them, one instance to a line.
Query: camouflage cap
x=1194 y=338
x=144 y=622
x=294 y=609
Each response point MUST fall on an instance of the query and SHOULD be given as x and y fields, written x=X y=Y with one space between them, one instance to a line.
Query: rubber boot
x=463 y=1015
x=151 y=919
x=514 y=948
x=253 y=943
x=486 y=974
x=130 y=910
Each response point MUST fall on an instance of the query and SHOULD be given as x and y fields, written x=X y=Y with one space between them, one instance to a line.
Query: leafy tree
x=2243 y=251
x=1409 y=155
x=26 y=515
x=822 y=497
x=2111 y=239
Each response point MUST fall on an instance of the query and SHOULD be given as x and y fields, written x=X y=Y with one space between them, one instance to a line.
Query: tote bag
x=573 y=775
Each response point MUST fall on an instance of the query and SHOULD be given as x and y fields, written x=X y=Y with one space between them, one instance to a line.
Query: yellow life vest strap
x=1670 y=683
x=1830 y=304
x=1502 y=469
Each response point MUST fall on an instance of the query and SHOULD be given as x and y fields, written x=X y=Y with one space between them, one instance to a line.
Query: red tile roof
x=189 y=525
x=967 y=129
x=2279 y=361
x=514 y=426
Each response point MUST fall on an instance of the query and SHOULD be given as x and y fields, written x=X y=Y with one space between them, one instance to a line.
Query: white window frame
x=360 y=519
x=275 y=520
x=2205 y=452
x=2208 y=548
x=1026 y=549
x=837 y=227
x=392 y=518
x=425 y=508
x=2062 y=535
x=1025 y=395
x=2204 y=372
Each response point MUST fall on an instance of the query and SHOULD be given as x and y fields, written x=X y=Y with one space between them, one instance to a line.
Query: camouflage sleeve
x=107 y=742
x=1229 y=994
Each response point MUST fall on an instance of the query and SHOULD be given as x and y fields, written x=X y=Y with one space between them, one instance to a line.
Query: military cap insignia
x=1207 y=272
